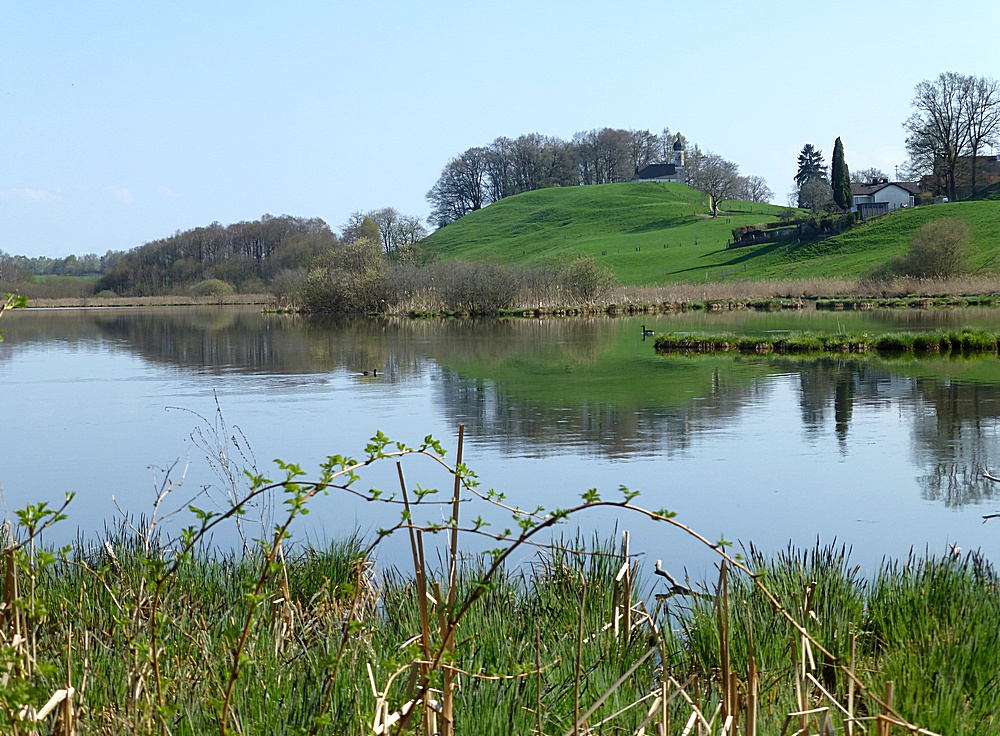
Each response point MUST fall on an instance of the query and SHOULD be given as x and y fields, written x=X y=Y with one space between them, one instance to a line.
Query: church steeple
x=678 y=151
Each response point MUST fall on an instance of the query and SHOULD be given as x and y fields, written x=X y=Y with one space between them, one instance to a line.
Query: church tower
x=678 y=152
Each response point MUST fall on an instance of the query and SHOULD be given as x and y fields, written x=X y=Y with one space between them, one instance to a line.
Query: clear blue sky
x=123 y=122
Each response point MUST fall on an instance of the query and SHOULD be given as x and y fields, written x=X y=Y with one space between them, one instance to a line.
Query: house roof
x=867 y=189
x=656 y=171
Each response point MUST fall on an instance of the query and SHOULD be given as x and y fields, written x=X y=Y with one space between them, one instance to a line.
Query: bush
x=481 y=287
x=354 y=278
x=585 y=280
x=106 y=294
x=939 y=249
x=212 y=287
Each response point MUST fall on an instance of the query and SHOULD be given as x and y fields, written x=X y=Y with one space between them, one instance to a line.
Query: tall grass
x=139 y=632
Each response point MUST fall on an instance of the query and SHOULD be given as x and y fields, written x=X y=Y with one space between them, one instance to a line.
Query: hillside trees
x=954 y=116
x=840 y=177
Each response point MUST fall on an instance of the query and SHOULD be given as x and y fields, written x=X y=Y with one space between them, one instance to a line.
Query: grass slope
x=659 y=233
x=647 y=233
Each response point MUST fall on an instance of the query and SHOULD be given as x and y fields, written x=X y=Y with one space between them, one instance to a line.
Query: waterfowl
x=373 y=372
x=646 y=332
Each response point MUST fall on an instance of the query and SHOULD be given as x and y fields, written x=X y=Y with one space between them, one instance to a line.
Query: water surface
x=882 y=455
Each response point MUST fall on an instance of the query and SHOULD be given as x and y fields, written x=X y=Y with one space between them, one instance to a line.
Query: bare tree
x=983 y=115
x=868 y=176
x=754 y=189
x=460 y=189
x=396 y=230
x=938 y=128
x=719 y=179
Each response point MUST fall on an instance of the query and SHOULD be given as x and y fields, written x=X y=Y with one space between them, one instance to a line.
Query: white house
x=885 y=196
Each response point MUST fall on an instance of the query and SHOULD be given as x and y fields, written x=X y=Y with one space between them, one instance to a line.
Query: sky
x=123 y=122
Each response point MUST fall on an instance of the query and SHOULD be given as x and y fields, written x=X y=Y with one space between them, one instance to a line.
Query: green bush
x=353 y=278
x=212 y=287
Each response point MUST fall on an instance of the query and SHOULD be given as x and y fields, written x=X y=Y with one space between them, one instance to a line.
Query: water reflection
x=590 y=386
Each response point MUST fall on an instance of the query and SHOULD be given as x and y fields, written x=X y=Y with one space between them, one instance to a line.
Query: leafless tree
x=983 y=116
x=719 y=179
x=754 y=189
x=868 y=176
x=955 y=118
x=460 y=189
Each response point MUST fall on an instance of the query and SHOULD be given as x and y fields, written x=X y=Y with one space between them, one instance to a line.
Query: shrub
x=585 y=280
x=939 y=249
x=106 y=294
x=481 y=287
x=212 y=287
x=353 y=278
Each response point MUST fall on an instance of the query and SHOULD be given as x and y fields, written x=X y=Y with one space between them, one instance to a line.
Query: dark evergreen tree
x=840 y=177
x=811 y=165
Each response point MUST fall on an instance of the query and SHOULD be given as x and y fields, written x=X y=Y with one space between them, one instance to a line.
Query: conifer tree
x=840 y=177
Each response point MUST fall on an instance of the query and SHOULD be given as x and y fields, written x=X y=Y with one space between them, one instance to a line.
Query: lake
x=884 y=456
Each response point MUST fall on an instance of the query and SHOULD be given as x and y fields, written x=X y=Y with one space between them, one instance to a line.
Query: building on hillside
x=672 y=171
x=987 y=174
x=885 y=196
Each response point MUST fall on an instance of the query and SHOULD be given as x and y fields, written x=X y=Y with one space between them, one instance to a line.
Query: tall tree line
x=955 y=118
x=246 y=254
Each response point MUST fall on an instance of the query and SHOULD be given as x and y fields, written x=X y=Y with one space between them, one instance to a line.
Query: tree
x=754 y=189
x=810 y=164
x=719 y=179
x=869 y=176
x=840 y=177
x=816 y=194
x=938 y=127
x=983 y=111
x=460 y=189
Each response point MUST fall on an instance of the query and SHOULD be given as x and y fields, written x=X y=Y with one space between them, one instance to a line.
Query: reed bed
x=956 y=343
x=135 y=632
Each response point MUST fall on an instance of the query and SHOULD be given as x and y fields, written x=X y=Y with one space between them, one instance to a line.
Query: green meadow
x=649 y=233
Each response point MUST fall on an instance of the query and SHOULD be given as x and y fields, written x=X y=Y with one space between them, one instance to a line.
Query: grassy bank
x=136 y=632
x=331 y=635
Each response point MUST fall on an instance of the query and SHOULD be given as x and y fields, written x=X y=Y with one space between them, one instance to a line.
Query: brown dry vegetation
x=543 y=295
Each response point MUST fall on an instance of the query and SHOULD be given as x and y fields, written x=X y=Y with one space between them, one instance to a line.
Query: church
x=673 y=171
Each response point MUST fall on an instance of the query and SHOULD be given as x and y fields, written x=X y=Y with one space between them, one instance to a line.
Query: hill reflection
x=539 y=386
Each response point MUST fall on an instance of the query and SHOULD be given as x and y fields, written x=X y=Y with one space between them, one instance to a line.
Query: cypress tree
x=840 y=177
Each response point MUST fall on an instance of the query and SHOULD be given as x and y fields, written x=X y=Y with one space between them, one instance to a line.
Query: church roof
x=656 y=171
x=678 y=146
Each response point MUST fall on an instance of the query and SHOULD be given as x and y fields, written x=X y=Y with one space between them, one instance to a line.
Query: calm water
x=884 y=456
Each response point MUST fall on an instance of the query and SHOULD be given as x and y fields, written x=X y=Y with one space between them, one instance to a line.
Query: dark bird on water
x=373 y=372
x=646 y=332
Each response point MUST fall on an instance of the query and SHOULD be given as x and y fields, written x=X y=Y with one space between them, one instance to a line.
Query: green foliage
x=353 y=277
x=840 y=177
x=211 y=287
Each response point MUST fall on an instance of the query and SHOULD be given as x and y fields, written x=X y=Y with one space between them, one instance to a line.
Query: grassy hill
x=658 y=233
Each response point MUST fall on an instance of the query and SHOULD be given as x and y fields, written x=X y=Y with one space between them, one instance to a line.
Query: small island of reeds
x=956 y=343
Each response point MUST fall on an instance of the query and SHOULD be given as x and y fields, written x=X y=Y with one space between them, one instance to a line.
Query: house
x=672 y=171
x=884 y=196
